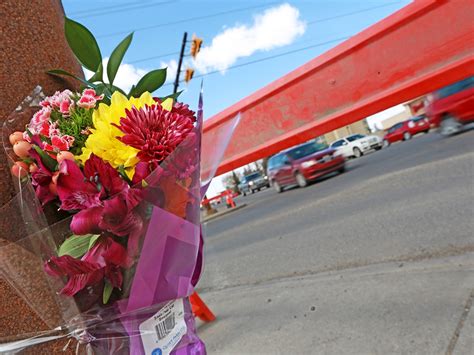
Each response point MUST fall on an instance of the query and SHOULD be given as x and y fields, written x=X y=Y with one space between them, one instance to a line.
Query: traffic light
x=195 y=45
x=188 y=75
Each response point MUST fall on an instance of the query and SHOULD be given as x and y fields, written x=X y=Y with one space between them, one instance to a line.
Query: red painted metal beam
x=420 y=48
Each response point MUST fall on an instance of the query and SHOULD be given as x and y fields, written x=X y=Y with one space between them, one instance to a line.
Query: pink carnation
x=89 y=98
x=65 y=106
x=41 y=116
x=59 y=143
x=54 y=130
x=55 y=100
x=87 y=101
x=43 y=128
x=91 y=92
x=61 y=100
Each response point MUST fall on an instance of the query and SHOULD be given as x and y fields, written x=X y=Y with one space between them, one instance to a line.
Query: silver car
x=253 y=182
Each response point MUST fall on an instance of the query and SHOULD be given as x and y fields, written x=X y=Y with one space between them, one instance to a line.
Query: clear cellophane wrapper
x=152 y=308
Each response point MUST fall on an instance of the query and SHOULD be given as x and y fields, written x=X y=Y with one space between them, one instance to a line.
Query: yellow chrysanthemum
x=103 y=140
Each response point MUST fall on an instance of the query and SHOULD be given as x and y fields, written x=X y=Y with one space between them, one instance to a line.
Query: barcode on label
x=166 y=326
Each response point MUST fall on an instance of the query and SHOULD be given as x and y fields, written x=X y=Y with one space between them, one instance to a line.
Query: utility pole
x=181 y=55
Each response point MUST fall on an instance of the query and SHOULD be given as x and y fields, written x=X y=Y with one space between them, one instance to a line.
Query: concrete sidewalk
x=392 y=308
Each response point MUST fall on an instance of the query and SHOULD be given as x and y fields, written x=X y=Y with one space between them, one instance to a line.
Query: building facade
x=360 y=127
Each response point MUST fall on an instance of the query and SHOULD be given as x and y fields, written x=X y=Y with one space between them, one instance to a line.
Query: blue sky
x=324 y=21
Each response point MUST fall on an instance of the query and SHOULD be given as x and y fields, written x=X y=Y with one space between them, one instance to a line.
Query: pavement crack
x=462 y=320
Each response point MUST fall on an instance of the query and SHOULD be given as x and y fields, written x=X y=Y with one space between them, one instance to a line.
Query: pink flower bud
x=20 y=169
x=64 y=155
x=21 y=149
x=16 y=137
x=33 y=168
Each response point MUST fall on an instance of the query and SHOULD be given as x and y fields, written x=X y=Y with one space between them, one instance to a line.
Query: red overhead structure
x=422 y=47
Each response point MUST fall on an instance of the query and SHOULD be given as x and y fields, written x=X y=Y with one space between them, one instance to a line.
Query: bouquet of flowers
x=107 y=243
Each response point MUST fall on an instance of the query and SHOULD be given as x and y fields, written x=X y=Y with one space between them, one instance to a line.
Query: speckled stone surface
x=32 y=41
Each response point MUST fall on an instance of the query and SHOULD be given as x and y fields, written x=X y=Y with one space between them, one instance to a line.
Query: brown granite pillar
x=31 y=42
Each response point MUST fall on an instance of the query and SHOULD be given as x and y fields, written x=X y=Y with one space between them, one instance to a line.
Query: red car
x=452 y=106
x=303 y=163
x=406 y=129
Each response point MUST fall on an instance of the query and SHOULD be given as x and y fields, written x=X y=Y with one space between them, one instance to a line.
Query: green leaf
x=99 y=74
x=83 y=44
x=117 y=56
x=172 y=96
x=116 y=88
x=108 y=90
x=103 y=89
x=60 y=72
x=108 y=288
x=93 y=239
x=49 y=162
x=27 y=160
x=77 y=245
x=123 y=173
x=150 y=82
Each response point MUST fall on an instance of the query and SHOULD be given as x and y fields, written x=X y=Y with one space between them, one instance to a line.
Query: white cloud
x=127 y=75
x=275 y=27
x=172 y=66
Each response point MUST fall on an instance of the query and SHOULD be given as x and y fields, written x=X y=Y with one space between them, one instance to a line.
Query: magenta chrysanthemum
x=154 y=131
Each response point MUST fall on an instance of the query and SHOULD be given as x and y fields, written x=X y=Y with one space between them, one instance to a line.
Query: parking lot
x=378 y=259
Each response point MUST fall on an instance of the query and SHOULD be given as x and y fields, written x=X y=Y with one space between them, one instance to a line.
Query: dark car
x=452 y=106
x=253 y=182
x=403 y=131
x=303 y=163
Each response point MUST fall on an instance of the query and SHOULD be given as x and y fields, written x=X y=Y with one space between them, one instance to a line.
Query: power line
x=112 y=11
x=276 y=56
x=186 y=20
x=271 y=57
x=352 y=13
x=175 y=53
x=86 y=11
x=154 y=57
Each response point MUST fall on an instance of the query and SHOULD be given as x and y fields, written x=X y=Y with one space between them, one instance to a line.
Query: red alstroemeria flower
x=104 y=259
x=104 y=200
x=42 y=177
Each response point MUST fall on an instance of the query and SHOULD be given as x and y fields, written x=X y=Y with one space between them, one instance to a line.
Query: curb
x=222 y=213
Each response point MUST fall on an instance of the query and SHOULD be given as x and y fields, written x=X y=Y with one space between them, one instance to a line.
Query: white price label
x=162 y=332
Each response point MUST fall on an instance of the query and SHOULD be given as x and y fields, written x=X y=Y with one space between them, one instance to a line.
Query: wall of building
x=402 y=116
x=356 y=127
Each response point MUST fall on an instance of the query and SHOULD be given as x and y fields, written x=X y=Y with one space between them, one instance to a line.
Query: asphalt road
x=397 y=220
